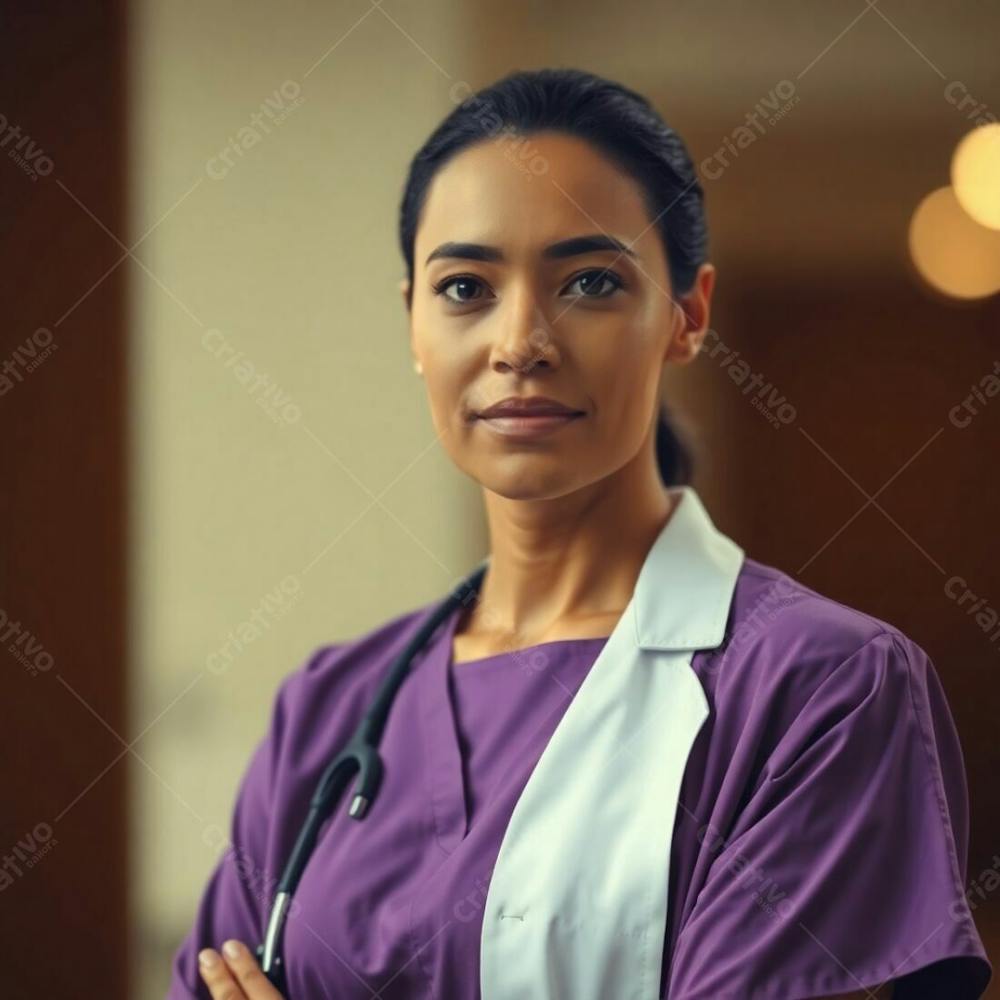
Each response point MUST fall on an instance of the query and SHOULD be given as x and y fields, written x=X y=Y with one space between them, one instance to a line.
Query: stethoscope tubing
x=360 y=754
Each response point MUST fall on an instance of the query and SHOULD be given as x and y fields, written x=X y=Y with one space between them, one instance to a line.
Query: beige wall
x=324 y=483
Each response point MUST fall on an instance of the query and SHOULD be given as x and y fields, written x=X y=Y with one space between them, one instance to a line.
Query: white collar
x=685 y=587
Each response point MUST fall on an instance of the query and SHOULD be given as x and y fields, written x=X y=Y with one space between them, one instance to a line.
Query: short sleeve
x=846 y=866
x=238 y=895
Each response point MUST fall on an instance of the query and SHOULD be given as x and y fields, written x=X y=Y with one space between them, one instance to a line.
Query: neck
x=570 y=560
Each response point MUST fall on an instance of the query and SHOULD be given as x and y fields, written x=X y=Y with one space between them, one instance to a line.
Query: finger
x=243 y=965
x=218 y=978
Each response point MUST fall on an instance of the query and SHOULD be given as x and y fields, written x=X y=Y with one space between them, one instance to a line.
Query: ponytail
x=673 y=453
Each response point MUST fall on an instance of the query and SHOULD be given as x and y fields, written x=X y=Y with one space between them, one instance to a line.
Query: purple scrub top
x=820 y=841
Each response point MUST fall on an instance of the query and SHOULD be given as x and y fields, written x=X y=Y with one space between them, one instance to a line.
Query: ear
x=691 y=317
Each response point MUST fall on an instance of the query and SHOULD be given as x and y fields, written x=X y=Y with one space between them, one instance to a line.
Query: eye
x=462 y=283
x=597 y=278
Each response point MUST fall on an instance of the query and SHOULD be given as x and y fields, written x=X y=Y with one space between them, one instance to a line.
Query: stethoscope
x=359 y=754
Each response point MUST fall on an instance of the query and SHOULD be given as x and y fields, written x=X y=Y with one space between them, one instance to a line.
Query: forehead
x=522 y=193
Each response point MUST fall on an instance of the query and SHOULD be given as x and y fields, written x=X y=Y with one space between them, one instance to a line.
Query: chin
x=544 y=479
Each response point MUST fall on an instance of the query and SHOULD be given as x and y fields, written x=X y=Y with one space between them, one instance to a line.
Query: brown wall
x=873 y=370
x=62 y=510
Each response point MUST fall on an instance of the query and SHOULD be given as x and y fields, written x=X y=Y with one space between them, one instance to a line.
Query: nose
x=525 y=339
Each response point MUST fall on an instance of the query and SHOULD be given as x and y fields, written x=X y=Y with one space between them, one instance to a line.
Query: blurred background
x=218 y=456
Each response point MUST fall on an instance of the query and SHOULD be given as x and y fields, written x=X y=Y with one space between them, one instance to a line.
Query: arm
x=237 y=898
x=849 y=853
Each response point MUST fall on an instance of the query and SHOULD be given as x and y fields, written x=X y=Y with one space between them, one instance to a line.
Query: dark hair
x=620 y=123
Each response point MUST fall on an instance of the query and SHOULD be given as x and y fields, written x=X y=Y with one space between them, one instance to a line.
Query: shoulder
x=313 y=711
x=771 y=607
x=335 y=674
x=804 y=678
x=785 y=642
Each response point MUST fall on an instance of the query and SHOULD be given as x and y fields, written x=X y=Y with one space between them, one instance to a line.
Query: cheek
x=624 y=371
x=440 y=396
x=627 y=402
x=442 y=363
x=446 y=379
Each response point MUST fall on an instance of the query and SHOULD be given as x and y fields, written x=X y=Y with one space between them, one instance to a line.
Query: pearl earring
x=418 y=367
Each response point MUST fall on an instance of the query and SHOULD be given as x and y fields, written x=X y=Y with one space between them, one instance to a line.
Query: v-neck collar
x=443 y=773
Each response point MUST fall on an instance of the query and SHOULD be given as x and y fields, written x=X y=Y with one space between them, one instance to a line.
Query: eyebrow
x=572 y=247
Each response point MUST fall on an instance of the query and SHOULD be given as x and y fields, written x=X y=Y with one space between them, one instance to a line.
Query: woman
x=641 y=764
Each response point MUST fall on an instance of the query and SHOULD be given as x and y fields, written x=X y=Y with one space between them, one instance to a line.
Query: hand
x=235 y=974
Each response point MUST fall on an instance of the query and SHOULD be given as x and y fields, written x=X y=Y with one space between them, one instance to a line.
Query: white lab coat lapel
x=577 y=902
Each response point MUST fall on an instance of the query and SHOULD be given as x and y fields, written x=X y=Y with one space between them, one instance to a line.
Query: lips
x=524 y=421
x=528 y=406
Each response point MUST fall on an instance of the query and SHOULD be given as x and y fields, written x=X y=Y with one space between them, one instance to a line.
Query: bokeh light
x=975 y=174
x=953 y=252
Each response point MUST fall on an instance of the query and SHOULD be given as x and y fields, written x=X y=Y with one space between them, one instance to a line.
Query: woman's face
x=515 y=310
